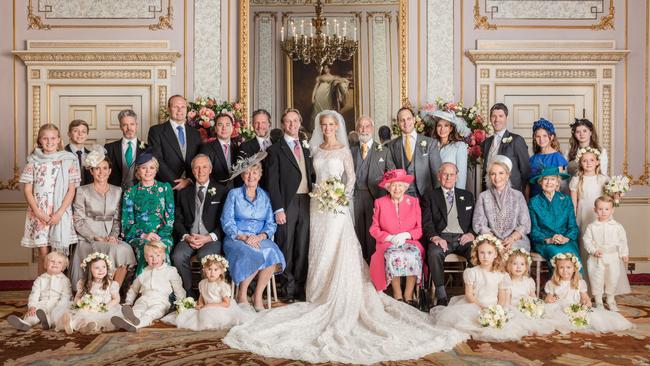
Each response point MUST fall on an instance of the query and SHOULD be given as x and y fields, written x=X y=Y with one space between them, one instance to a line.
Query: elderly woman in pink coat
x=397 y=227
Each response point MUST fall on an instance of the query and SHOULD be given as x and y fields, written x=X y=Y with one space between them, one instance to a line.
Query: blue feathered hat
x=545 y=124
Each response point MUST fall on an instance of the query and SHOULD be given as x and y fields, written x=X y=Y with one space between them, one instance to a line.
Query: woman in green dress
x=147 y=210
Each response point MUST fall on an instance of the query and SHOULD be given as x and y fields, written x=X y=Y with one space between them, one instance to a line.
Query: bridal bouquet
x=577 y=314
x=616 y=187
x=532 y=307
x=185 y=304
x=90 y=303
x=494 y=316
x=330 y=194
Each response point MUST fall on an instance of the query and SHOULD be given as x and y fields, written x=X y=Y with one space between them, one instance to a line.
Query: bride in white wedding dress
x=344 y=319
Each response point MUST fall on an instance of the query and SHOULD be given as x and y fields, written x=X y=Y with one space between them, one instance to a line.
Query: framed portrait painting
x=335 y=88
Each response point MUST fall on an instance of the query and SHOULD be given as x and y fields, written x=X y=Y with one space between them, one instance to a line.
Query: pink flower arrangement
x=202 y=112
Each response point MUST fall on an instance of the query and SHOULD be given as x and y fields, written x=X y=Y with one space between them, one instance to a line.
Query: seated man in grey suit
x=414 y=153
x=197 y=220
x=371 y=161
x=447 y=225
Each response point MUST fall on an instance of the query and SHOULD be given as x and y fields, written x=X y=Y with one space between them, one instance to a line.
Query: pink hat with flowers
x=396 y=175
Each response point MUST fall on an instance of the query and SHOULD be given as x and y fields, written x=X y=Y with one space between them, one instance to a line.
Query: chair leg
x=268 y=294
x=275 y=289
x=538 y=271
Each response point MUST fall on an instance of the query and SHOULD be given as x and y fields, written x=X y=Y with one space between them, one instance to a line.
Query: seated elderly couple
x=148 y=213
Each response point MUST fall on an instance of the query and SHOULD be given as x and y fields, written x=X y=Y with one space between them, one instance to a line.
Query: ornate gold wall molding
x=403 y=51
x=36 y=111
x=606 y=137
x=40 y=56
x=35 y=22
x=545 y=73
x=244 y=8
x=484 y=97
x=546 y=55
x=99 y=74
x=481 y=22
x=162 y=101
x=484 y=73
x=607 y=73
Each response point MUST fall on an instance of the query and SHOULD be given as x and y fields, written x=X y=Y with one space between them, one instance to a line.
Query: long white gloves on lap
x=399 y=239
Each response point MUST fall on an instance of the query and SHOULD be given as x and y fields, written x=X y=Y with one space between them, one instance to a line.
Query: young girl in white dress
x=97 y=298
x=50 y=177
x=565 y=289
x=585 y=188
x=518 y=285
x=50 y=296
x=484 y=287
x=215 y=309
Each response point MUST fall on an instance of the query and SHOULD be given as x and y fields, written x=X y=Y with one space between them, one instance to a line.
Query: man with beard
x=371 y=160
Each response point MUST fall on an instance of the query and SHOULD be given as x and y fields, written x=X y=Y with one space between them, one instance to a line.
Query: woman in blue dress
x=546 y=149
x=553 y=222
x=249 y=224
x=448 y=135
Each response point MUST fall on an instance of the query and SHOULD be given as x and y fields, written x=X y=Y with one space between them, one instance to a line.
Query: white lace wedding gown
x=344 y=319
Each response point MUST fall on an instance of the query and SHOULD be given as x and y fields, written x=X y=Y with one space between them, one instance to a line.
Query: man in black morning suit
x=262 y=141
x=371 y=160
x=197 y=224
x=290 y=176
x=222 y=151
x=123 y=152
x=175 y=144
x=447 y=225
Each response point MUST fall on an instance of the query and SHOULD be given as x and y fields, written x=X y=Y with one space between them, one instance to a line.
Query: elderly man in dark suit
x=290 y=176
x=414 y=153
x=196 y=220
x=503 y=142
x=371 y=161
x=123 y=152
x=174 y=144
x=447 y=225
x=222 y=151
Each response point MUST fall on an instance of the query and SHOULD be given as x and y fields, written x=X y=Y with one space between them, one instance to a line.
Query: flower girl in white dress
x=526 y=308
x=568 y=303
x=484 y=287
x=97 y=298
x=215 y=309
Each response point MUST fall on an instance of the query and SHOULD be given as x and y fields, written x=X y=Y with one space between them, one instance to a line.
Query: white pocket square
x=381 y=160
x=468 y=208
x=425 y=154
x=215 y=202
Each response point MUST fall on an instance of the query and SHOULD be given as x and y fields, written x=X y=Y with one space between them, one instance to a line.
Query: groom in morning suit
x=371 y=161
x=123 y=152
x=289 y=180
x=414 y=153
x=447 y=225
x=503 y=142
x=174 y=144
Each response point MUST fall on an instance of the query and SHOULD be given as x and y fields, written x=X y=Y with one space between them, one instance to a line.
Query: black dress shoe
x=442 y=302
x=413 y=303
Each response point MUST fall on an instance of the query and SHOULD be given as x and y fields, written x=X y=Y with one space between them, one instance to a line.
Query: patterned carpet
x=162 y=345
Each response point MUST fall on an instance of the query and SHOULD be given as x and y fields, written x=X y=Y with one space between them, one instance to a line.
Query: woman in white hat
x=448 y=134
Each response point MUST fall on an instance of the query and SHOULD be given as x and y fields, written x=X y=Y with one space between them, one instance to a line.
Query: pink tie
x=296 y=149
x=225 y=151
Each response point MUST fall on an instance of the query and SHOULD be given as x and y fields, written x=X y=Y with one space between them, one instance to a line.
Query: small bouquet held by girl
x=616 y=187
x=215 y=309
x=330 y=194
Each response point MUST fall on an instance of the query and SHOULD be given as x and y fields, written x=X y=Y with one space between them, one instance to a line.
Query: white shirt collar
x=368 y=144
x=290 y=140
x=206 y=185
x=413 y=134
x=224 y=142
x=175 y=125
x=445 y=190
x=74 y=149
x=260 y=140
x=500 y=133
x=134 y=142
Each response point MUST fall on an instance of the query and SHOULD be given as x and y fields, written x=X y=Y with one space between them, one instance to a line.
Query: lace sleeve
x=350 y=176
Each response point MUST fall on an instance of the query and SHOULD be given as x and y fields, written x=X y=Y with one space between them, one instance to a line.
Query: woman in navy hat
x=147 y=209
x=553 y=221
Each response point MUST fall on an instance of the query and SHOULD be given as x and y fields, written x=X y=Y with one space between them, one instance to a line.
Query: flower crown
x=488 y=237
x=94 y=157
x=97 y=255
x=523 y=251
x=585 y=150
x=545 y=124
x=216 y=258
x=566 y=256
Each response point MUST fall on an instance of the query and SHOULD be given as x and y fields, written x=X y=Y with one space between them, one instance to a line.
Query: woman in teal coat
x=553 y=222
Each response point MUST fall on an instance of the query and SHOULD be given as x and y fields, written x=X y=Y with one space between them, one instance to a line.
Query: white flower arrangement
x=489 y=237
x=142 y=145
x=531 y=307
x=616 y=187
x=523 y=251
x=566 y=256
x=215 y=257
x=212 y=191
x=506 y=140
x=95 y=255
x=494 y=316
x=330 y=194
x=305 y=144
x=379 y=147
x=577 y=314
x=585 y=150
x=185 y=304
x=94 y=157
x=90 y=303
x=423 y=143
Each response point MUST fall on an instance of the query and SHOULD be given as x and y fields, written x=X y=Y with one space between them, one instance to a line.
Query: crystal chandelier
x=324 y=44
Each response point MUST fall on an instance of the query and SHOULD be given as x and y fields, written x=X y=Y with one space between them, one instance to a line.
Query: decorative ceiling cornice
x=72 y=56
x=477 y=56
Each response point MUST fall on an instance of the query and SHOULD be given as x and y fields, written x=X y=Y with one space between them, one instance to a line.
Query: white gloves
x=398 y=239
